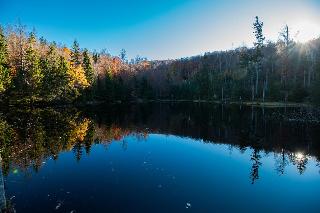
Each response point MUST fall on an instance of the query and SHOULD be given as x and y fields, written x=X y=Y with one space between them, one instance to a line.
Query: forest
x=34 y=71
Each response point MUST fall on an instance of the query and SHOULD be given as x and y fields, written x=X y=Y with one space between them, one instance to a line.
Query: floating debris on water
x=188 y=205
x=59 y=204
x=300 y=115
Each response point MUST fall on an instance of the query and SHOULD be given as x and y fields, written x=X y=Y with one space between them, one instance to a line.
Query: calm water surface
x=160 y=158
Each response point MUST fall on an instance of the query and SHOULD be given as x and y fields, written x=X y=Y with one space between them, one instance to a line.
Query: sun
x=299 y=156
x=304 y=31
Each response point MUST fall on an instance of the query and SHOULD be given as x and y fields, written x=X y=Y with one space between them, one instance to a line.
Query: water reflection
x=265 y=131
x=29 y=137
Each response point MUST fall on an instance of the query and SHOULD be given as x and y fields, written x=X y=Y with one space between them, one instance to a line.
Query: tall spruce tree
x=65 y=87
x=75 y=54
x=258 y=44
x=34 y=73
x=5 y=78
x=87 y=66
x=54 y=78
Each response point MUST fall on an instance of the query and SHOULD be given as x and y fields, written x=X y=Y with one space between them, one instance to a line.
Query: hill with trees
x=33 y=70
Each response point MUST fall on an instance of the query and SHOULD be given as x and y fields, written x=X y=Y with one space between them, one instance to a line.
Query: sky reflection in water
x=143 y=170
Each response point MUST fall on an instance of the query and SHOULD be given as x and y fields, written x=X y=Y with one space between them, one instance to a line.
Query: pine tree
x=87 y=66
x=95 y=57
x=64 y=79
x=123 y=55
x=75 y=54
x=258 y=44
x=258 y=32
x=5 y=78
x=47 y=77
x=55 y=78
x=34 y=75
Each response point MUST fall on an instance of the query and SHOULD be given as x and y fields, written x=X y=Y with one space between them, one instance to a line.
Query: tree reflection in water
x=29 y=137
x=255 y=158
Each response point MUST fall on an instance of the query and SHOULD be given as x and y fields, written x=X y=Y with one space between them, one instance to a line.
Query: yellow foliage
x=77 y=77
x=78 y=132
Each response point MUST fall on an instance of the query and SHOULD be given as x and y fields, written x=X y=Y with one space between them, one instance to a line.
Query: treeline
x=33 y=70
x=270 y=71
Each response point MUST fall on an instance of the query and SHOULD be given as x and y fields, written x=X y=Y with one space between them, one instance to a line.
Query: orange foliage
x=66 y=52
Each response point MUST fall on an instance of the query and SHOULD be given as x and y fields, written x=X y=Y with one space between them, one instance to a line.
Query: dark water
x=161 y=158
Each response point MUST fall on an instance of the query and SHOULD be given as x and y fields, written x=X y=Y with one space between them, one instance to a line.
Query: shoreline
x=268 y=104
x=245 y=103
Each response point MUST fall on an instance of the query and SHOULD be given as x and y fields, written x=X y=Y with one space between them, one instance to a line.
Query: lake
x=160 y=157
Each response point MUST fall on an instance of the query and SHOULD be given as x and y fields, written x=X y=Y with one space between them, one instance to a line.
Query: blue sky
x=161 y=29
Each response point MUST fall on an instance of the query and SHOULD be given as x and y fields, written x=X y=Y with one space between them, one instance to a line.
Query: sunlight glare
x=305 y=30
x=299 y=156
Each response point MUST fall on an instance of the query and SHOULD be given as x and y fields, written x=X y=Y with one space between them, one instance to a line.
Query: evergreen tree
x=75 y=54
x=34 y=73
x=258 y=44
x=55 y=77
x=47 y=77
x=65 y=86
x=123 y=55
x=5 y=78
x=95 y=57
x=87 y=66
